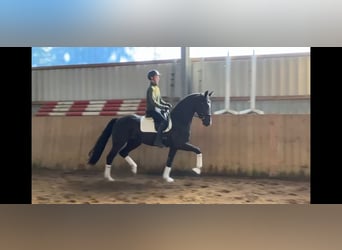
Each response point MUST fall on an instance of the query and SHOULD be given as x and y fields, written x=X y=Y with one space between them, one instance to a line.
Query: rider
x=155 y=105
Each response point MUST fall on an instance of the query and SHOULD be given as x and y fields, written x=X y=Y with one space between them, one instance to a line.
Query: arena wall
x=282 y=82
x=249 y=145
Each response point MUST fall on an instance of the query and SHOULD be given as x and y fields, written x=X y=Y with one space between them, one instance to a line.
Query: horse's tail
x=96 y=151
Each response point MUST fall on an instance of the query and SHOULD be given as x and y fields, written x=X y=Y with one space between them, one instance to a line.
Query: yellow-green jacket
x=153 y=98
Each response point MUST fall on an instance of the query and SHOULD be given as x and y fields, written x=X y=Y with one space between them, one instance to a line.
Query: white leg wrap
x=199 y=160
x=132 y=164
x=198 y=167
x=107 y=173
x=166 y=174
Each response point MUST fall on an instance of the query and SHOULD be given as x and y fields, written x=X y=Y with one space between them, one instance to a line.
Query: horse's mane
x=190 y=95
x=182 y=106
x=186 y=98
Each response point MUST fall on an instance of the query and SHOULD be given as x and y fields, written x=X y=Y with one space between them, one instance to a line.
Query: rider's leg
x=161 y=122
x=158 y=141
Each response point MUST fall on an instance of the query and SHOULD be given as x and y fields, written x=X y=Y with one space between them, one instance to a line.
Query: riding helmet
x=152 y=73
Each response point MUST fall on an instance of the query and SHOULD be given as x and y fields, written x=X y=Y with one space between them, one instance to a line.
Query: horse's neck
x=182 y=114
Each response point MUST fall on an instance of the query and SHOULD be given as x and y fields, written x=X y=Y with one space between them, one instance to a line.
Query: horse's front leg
x=189 y=147
x=167 y=169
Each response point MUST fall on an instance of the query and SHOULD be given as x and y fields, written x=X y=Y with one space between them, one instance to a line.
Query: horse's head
x=203 y=108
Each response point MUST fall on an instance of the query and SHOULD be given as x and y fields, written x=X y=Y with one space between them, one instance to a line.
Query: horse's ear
x=206 y=93
x=211 y=93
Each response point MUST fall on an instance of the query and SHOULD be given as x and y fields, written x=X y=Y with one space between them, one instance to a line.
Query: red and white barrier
x=102 y=108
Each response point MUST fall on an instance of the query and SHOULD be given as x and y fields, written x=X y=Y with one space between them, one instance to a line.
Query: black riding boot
x=158 y=141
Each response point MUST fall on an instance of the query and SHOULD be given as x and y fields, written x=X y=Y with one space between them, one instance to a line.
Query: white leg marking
x=166 y=174
x=107 y=173
x=132 y=164
x=198 y=167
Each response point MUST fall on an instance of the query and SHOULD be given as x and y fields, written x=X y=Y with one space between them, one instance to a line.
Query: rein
x=201 y=116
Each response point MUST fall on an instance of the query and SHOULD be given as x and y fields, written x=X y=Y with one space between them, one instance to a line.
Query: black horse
x=126 y=135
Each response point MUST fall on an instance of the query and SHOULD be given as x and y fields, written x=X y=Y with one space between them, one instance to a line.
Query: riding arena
x=248 y=145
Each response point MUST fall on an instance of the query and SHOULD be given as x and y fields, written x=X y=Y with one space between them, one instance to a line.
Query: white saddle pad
x=147 y=125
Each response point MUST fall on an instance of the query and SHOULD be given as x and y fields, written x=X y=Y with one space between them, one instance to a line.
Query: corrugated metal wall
x=277 y=75
x=112 y=81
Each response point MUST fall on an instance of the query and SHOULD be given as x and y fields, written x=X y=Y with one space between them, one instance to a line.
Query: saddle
x=147 y=125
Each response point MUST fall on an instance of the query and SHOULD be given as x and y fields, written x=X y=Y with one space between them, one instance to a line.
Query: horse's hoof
x=197 y=170
x=109 y=178
x=169 y=179
x=134 y=169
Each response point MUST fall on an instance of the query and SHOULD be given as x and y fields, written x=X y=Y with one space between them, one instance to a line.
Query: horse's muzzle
x=206 y=120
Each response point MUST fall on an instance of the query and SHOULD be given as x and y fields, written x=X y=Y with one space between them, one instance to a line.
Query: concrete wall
x=270 y=145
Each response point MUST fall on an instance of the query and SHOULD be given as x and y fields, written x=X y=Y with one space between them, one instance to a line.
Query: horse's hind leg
x=131 y=145
x=110 y=157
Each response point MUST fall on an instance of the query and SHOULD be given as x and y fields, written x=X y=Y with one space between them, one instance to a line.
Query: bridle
x=202 y=116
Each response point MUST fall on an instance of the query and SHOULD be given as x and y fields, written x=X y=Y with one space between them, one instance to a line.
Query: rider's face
x=156 y=79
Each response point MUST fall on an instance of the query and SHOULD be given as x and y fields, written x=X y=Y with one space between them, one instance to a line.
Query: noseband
x=202 y=116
